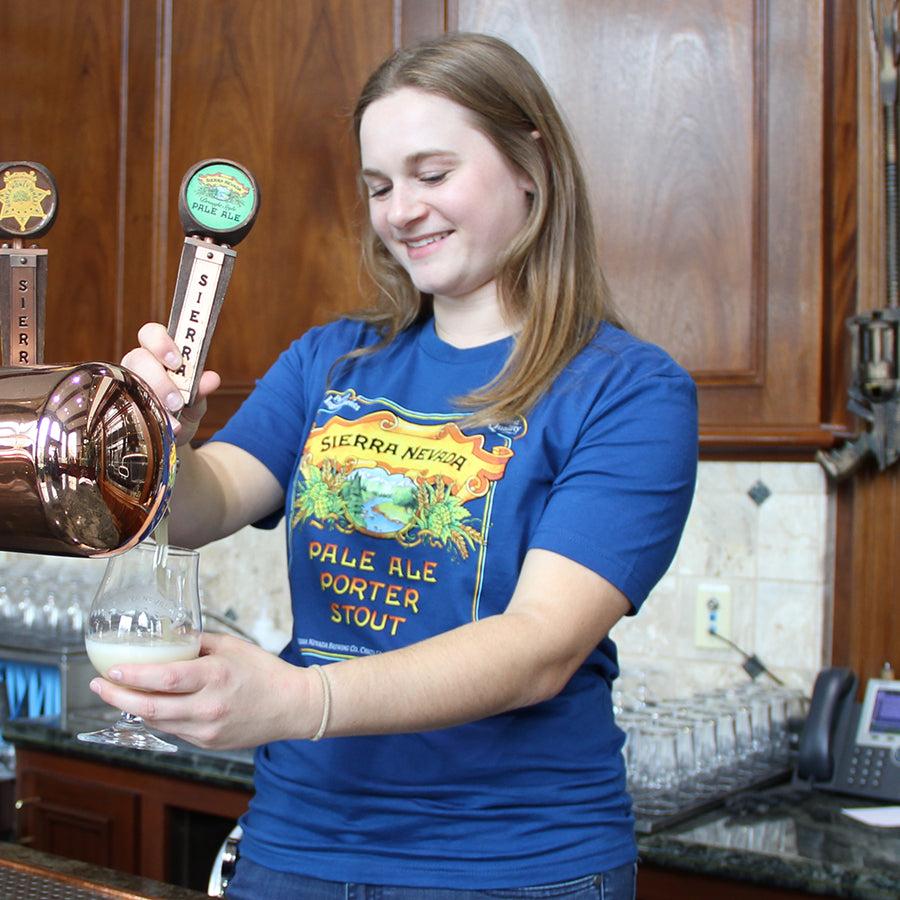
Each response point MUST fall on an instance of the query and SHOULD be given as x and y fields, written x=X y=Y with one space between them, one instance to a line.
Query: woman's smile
x=421 y=247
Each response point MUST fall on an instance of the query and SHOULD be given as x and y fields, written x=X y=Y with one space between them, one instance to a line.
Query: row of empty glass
x=687 y=753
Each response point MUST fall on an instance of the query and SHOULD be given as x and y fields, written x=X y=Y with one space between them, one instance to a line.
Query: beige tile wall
x=773 y=557
x=775 y=560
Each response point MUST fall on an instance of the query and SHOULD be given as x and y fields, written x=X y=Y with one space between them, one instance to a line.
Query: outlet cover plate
x=712 y=607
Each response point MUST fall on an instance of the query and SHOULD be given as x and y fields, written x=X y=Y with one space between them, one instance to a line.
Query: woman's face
x=442 y=198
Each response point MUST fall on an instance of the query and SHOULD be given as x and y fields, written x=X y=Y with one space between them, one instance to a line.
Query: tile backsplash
x=772 y=553
x=774 y=556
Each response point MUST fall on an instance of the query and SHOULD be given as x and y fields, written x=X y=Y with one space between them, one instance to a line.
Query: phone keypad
x=866 y=766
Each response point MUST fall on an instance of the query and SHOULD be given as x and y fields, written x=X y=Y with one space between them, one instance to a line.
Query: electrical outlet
x=712 y=612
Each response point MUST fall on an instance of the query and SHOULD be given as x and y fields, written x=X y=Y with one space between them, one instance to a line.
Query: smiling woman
x=480 y=474
x=428 y=206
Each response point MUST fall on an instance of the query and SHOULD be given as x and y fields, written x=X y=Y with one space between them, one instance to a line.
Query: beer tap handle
x=887 y=85
x=28 y=205
x=217 y=203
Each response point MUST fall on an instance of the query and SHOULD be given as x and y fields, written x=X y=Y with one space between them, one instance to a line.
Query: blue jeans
x=253 y=882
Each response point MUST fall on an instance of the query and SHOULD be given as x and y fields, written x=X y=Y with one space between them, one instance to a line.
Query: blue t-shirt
x=402 y=522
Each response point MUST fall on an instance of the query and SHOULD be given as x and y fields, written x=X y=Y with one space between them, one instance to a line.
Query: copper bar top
x=44 y=874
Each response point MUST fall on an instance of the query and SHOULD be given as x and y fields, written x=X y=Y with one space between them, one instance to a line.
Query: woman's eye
x=433 y=177
x=378 y=191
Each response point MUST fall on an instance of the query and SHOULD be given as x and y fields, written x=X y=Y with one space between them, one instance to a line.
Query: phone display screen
x=886 y=713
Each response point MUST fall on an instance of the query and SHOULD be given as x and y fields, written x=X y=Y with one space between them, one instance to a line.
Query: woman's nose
x=405 y=207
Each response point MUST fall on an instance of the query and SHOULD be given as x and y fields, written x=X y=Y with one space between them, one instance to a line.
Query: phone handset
x=834 y=688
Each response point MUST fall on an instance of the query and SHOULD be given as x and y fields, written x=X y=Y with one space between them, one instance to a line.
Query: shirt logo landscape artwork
x=386 y=476
x=395 y=507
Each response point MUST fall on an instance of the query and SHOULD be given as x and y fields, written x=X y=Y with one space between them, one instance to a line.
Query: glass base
x=129 y=732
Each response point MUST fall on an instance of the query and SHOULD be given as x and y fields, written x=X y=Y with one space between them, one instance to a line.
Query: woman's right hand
x=156 y=357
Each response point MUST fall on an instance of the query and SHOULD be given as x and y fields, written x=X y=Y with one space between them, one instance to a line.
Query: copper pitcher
x=87 y=459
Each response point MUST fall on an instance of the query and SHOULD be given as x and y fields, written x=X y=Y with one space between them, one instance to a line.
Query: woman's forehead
x=409 y=122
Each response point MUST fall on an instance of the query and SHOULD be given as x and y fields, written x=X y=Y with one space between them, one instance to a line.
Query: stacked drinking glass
x=684 y=753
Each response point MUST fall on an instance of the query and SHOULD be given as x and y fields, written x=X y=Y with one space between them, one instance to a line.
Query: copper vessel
x=87 y=459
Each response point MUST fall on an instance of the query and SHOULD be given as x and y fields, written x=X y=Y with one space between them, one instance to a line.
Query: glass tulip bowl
x=146 y=610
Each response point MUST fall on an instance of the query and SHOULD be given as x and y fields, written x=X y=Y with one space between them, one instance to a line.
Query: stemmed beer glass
x=146 y=610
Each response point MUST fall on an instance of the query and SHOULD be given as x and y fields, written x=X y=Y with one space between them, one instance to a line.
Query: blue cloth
x=403 y=523
x=250 y=882
x=32 y=689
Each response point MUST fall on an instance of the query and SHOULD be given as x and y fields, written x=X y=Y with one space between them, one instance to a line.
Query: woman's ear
x=525 y=182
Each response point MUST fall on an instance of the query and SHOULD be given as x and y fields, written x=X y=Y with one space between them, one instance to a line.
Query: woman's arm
x=558 y=614
x=219 y=488
x=238 y=695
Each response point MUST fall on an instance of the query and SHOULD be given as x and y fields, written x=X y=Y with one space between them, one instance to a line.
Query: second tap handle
x=217 y=203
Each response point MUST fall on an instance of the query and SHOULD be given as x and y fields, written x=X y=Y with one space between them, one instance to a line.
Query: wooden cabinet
x=86 y=820
x=119 y=97
x=665 y=884
x=124 y=818
x=706 y=127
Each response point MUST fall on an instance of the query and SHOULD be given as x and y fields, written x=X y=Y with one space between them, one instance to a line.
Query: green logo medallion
x=220 y=197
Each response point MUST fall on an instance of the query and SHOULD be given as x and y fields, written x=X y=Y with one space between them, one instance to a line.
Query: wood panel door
x=116 y=815
x=701 y=126
x=118 y=98
x=80 y=820
x=62 y=107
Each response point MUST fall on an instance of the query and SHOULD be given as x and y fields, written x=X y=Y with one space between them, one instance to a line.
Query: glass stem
x=129 y=722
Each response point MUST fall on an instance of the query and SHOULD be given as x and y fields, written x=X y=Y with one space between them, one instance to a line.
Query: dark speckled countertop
x=228 y=768
x=778 y=838
x=786 y=838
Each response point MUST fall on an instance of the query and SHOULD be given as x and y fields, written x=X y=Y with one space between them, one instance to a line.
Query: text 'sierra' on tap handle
x=28 y=206
x=217 y=203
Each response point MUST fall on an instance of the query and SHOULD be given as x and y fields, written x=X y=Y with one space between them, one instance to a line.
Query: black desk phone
x=848 y=747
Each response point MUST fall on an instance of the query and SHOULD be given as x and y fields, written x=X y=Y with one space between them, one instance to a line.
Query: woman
x=479 y=476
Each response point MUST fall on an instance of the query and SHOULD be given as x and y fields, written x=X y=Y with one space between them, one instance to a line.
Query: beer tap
x=874 y=393
x=87 y=452
x=217 y=204
x=28 y=206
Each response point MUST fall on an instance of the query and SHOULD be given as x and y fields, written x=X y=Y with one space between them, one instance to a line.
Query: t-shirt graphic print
x=390 y=502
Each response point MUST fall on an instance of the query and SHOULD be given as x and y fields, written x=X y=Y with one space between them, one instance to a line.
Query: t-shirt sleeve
x=271 y=423
x=620 y=503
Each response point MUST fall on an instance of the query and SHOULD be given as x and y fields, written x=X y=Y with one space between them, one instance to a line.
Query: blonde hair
x=549 y=281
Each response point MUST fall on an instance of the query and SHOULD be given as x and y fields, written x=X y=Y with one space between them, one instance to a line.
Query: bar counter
x=778 y=840
x=29 y=873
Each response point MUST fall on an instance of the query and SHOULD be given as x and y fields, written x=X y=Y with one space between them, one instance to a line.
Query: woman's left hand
x=234 y=695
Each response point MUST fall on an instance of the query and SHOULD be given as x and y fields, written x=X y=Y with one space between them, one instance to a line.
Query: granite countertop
x=788 y=838
x=779 y=837
x=223 y=768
